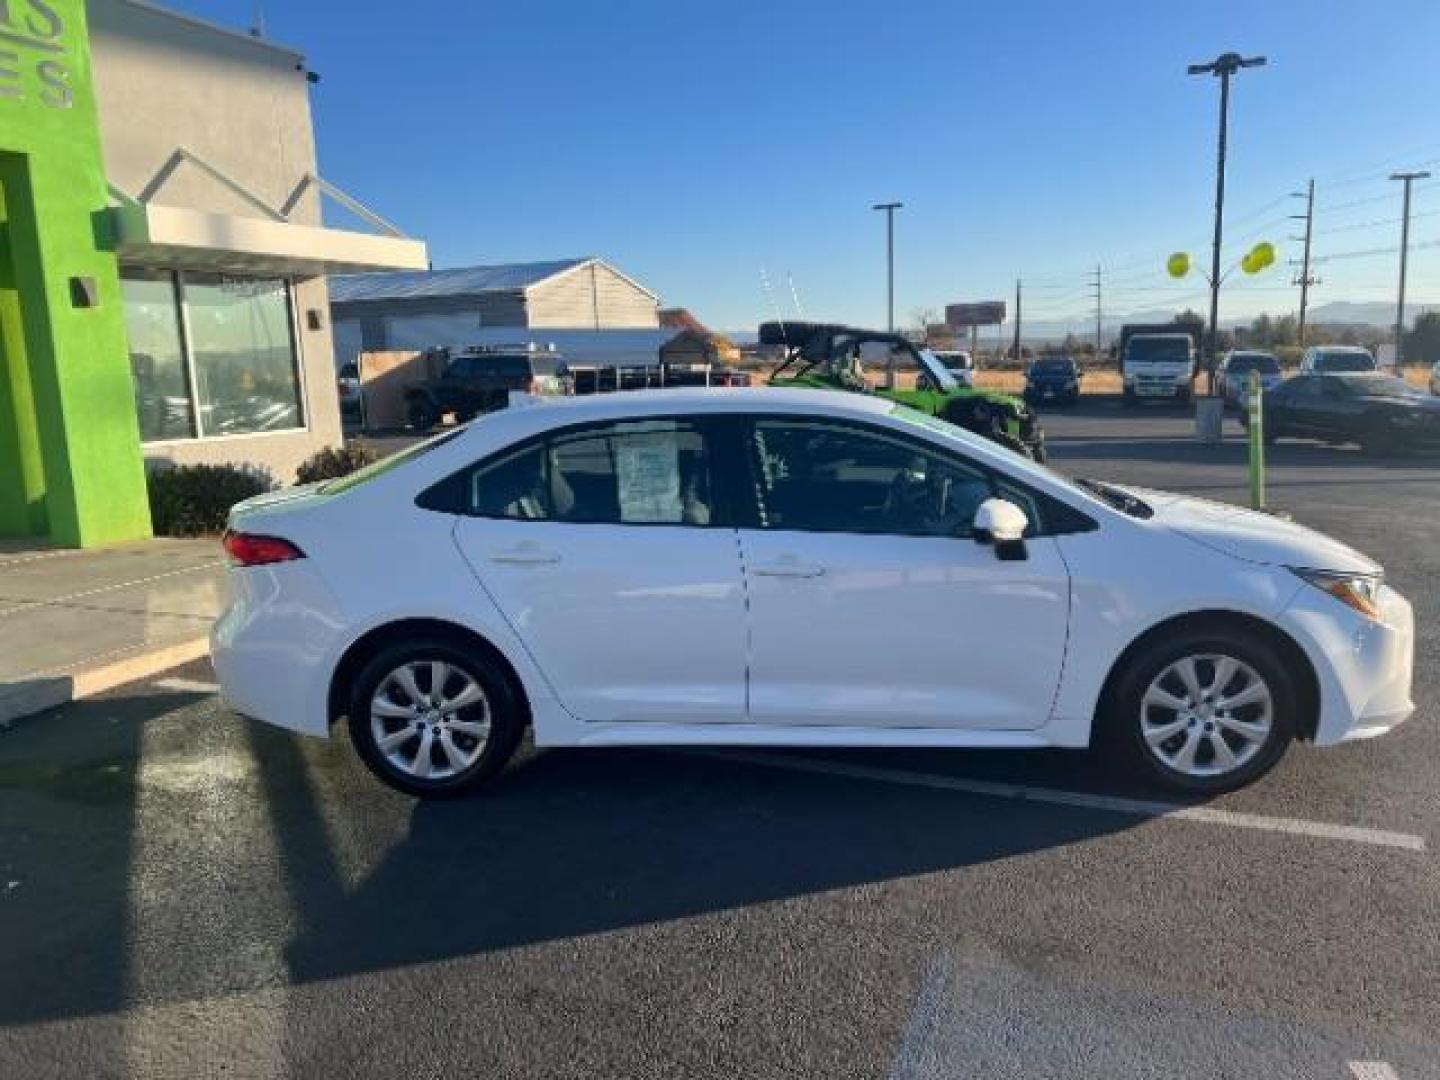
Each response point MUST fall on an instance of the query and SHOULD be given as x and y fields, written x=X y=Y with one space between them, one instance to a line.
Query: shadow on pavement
x=580 y=842
x=567 y=843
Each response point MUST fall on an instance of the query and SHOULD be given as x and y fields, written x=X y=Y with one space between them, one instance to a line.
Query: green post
x=70 y=462
x=1257 y=443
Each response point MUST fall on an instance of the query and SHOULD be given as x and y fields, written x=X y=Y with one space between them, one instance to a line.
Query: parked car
x=1053 y=378
x=1382 y=413
x=1232 y=377
x=826 y=356
x=1336 y=360
x=1158 y=366
x=790 y=568
x=479 y=380
x=959 y=363
x=347 y=386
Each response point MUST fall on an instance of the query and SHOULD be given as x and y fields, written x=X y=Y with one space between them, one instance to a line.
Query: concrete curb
x=42 y=692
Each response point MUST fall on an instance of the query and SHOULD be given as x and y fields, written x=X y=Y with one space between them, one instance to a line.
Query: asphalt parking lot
x=185 y=894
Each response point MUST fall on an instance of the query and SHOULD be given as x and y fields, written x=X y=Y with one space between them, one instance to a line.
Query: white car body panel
x=374 y=557
x=928 y=631
x=628 y=623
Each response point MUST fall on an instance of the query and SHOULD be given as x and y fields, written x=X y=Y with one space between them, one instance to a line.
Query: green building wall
x=71 y=467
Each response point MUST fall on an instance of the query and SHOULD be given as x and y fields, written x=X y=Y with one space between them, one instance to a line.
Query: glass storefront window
x=157 y=355
x=244 y=350
x=212 y=355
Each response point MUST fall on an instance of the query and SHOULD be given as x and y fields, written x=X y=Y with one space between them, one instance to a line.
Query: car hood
x=1253 y=536
x=1430 y=406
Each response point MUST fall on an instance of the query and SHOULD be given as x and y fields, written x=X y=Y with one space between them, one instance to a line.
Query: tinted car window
x=824 y=477
x=653 y=472
x=1243 y=363
x=1343 y=361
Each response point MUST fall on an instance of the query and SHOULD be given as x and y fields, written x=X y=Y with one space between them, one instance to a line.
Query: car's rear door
x=870 y=602
x=608 y=549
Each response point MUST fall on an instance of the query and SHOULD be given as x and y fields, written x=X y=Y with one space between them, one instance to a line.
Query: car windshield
x=1246 y=362
x=937 y=371
x=1158 y=350
x=1344 y=361
x=1056 y=366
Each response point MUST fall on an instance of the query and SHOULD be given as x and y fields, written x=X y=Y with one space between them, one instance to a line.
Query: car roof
x=563 y=411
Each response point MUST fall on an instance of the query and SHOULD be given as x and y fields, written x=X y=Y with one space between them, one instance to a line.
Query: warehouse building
x=400 y=311
x=162 y=261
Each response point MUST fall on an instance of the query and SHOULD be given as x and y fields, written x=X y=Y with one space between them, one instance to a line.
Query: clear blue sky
x=693 y=144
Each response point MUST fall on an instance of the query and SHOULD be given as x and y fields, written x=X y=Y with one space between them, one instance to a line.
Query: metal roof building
x=419 y=309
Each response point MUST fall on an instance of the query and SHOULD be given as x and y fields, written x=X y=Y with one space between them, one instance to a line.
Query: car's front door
x=871 y=604
x=607 y=550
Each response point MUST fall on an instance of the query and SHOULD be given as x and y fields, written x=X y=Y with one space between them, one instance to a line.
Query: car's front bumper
x=1364 y=667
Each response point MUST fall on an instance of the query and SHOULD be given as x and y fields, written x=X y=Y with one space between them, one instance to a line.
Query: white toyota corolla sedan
x=790 y=568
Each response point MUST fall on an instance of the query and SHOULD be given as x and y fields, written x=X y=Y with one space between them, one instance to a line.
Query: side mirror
x=1002 y=524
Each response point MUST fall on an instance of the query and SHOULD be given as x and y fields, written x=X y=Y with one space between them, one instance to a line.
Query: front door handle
x=789 y=569
x=525 y=558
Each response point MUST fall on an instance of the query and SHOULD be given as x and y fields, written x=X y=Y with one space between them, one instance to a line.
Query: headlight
x=1358 y=591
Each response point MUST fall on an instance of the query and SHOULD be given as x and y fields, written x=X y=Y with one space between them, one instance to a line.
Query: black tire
x=1380 y=444
x=506 y=716
x=1120 y=725
x=422 y=414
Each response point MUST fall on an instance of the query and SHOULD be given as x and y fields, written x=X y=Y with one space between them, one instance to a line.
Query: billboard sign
x=985 y=313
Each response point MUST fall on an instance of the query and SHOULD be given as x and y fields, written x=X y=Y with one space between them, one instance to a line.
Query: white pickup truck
x=1158 y=366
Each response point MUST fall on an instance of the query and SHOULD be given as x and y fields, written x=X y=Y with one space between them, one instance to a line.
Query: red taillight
x=247 y=549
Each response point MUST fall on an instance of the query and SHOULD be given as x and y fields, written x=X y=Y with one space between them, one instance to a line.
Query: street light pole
x=889 y=208
x=1408 y=178
x=1223 y=66
x=1305 y=280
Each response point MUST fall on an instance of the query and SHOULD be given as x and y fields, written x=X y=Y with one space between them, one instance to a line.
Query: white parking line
x=1114 y=804
x=188 y=686
x=1373 y=1070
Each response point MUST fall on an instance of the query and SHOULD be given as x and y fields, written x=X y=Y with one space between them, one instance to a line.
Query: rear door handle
x=789 y=569
x=525 y=558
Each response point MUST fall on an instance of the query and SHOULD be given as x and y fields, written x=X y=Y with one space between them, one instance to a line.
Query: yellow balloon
x=1264 y=253
x=1249 y=264
x=1178 y=264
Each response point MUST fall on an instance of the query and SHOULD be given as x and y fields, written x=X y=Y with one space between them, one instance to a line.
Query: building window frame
x=297 y=358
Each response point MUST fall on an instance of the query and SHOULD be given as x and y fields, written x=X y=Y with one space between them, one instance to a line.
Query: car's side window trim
x=754 y=518
x=451 y=495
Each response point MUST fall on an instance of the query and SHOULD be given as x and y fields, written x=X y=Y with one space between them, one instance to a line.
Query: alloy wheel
x=430 y=719
x=1206 y=715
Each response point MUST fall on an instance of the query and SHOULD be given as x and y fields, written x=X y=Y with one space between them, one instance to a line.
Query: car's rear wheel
x=430 y=718
x=1203 y=712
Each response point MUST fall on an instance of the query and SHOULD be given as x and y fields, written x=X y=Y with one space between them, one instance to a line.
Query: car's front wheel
x=431 y=718
x=1203 y=711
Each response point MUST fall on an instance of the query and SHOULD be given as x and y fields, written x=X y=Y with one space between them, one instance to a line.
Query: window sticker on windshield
x=647 y=473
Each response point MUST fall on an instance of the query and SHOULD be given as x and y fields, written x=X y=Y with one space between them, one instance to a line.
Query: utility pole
x=889 y=208
x=1017 y=321
x=1222 y=67
x=1305 y=280
x=1408 y=178
x=1096 y=286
